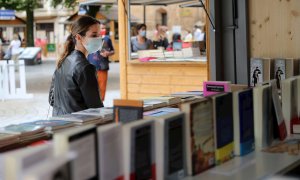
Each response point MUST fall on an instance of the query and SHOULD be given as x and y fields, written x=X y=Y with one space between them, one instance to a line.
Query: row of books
x=16 y=135
x=265 y=69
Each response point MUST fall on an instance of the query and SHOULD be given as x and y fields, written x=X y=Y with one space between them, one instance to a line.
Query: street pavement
x=38 y=79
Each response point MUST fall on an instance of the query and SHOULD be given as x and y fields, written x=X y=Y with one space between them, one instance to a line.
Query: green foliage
x=18 y=5
x=66 y=3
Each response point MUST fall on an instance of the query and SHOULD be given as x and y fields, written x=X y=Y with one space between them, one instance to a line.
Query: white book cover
x=51 y=169
x=256 y=71
x=110 y=151
x=103 y=112
x=81 y=140
x=139 y=149
x=17 y=161
x=279 y=71
x=170 y=146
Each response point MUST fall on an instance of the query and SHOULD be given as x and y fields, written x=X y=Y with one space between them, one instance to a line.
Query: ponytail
x=69 y=47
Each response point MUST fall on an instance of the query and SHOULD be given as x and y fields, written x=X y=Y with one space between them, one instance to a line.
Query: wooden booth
x=8 y=27
x=153 y=78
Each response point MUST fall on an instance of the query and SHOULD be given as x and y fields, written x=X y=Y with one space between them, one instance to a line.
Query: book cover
x=223 y=123
x=139 y=150
x=110 y=152
x=170 y=146
x=243 y=122
x=80 y=118
x=52 y=169
x=127 y=110
x=22 y=128
x=200 y=146
x=289 y=103
x=296 y=122
x=160 y=112
x=215 y=87
x=280 y=124
x=83 y=141
x=18 y=161
x=280 y=71
x=263 y=116
x=256 y=71
x=50 y=124
x=103 y=112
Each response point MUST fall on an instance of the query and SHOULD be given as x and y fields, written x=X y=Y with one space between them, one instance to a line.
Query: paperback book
x=215 y=87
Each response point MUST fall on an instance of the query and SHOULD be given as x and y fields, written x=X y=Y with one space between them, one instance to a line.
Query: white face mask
x=93 y=44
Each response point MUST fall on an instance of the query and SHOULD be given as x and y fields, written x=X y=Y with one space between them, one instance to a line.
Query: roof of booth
x=140 y=2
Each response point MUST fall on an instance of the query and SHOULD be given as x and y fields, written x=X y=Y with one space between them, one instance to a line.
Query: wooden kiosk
x=141 y=79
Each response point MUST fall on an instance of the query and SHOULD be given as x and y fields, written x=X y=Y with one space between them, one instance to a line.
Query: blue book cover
x=246 y=114
x=224 y=128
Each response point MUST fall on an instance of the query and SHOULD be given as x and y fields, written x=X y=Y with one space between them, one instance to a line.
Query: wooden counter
x=162 y=78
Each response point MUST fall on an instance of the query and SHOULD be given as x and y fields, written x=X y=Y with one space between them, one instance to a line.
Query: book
x=215 y=87
x=104 y=112
x=188 y=93
x=295 y=122
x=280 y=124
x=200 y=148
x=18 y=161
x=110 y=147
x=243 y=114
x=170 y=146
x=263 y=119
x=289 y=103
x=79 y=119
x=256 y=71
x=223 y=127
x=139 y=150
x=51 y=125
x=127 y=110
x=161 y=111
x=170 y=100
x=8 y=139
x=58 y=167
x=279 y=71
x=83 y=141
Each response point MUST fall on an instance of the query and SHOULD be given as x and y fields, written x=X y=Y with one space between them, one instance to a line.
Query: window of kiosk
x=166 y=31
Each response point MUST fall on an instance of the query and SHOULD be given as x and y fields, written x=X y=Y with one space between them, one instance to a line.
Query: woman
x=140 y=42
x=161 y=40
x=75 y=83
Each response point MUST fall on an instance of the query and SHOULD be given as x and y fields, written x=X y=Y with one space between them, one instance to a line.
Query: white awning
x=159 y=2
x=97 y=2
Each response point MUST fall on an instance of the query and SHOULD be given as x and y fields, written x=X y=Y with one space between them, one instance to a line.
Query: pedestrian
x=100 y=60
x=74 y=85
x=14 y=49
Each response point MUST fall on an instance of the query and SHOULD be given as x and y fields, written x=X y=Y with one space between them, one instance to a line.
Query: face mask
x=143 y=33
x=103 y=32
x=93 y=44
x=168 y=32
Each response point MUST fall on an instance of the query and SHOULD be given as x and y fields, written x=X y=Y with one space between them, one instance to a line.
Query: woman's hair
x=140 y=26
x=81 y=26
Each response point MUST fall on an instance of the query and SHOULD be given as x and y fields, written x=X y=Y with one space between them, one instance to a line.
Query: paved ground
x=38 y=78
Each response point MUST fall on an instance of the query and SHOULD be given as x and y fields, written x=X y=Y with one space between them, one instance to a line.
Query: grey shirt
x=136 y=46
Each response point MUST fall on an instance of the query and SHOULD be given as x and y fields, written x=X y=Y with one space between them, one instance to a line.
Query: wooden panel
x=163 y=70
x=274 y=27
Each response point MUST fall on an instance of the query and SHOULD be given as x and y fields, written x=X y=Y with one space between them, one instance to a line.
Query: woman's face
x=93 y=32
x=142 y=31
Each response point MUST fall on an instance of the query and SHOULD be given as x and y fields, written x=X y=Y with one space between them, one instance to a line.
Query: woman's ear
x=78 y=37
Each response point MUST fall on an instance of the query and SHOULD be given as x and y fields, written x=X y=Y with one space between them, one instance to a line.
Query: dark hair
x=140 y=26
x=80 y=26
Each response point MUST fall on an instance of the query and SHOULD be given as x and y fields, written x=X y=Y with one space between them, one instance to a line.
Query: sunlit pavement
x=38 y=78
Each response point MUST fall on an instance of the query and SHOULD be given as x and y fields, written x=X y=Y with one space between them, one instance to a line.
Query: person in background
x=1 y=50
x=100 y=60
x=140 y=42
x=74 y=85
x=161 y=40
x=198 y=34
x=14 y=47
x=176 y=39
x=188 y=37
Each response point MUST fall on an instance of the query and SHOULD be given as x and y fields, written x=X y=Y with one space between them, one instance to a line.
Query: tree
x=23 y=5
x=91 y=9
